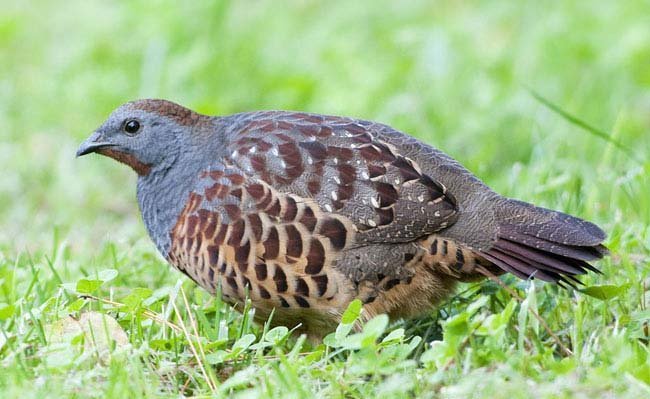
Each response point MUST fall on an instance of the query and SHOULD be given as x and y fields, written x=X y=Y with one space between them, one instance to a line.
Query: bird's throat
x=140 y=168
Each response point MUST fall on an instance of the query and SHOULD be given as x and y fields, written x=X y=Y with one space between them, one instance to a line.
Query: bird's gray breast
x=161 y=200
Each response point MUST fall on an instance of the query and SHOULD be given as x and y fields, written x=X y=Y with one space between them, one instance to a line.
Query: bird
x=302 y=213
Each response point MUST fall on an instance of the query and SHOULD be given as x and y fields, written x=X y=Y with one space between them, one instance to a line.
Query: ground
x=460 y=77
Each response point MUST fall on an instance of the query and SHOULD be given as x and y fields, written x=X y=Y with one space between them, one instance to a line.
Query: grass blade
x=574 y=120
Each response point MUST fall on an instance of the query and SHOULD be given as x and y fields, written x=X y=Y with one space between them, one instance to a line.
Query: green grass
x=453 y=74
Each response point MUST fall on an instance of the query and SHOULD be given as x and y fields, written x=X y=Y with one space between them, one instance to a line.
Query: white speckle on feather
x=374 y=202
x=397 y=181
x=371 y=223
x=421 y=198
x=336 y=180
x=365 y=175
x=334 y=196
x=436 y=214
x=328 y=207
x=234 y=154
x=335 y=161
x=309 y=161
x=274 y=151
x=252 y=150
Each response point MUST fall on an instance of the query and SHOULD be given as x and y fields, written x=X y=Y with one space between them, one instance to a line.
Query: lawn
x=459 y=76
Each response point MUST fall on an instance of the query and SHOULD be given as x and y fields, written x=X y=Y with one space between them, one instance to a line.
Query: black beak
x=92 y=144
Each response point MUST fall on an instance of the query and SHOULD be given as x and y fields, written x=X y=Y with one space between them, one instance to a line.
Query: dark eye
x=131 y=126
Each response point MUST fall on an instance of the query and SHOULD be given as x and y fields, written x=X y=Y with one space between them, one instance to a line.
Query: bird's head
x=143 y=134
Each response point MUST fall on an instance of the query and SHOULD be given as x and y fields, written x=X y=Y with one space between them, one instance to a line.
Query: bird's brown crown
x=181 y=115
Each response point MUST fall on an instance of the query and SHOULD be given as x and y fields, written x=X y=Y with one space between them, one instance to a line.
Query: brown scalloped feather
x=277 y=249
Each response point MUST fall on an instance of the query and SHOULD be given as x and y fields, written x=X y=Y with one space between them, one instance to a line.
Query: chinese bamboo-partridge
x=303 y=213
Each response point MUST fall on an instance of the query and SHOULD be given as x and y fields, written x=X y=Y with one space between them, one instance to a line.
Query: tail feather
x=548 y=261
x=547 y=224
x=513 y=265
x=586 y=253
x=540 y=243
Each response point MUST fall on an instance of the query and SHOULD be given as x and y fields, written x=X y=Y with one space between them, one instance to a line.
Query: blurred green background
x=452 y=73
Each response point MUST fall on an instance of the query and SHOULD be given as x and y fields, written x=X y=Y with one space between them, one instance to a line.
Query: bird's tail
x=545 y=244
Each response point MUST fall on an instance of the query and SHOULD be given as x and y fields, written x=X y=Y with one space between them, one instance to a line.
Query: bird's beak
x=92 y=144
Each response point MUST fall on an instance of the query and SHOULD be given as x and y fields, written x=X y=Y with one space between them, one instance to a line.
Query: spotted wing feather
x=346 y=170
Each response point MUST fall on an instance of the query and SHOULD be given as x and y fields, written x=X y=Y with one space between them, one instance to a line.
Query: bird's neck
x=161 y=197
x=163 y=193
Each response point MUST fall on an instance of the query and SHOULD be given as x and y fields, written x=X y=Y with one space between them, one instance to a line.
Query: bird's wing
x=346 y=169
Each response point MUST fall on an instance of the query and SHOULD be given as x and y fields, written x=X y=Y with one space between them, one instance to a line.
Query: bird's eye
x=131 y=126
